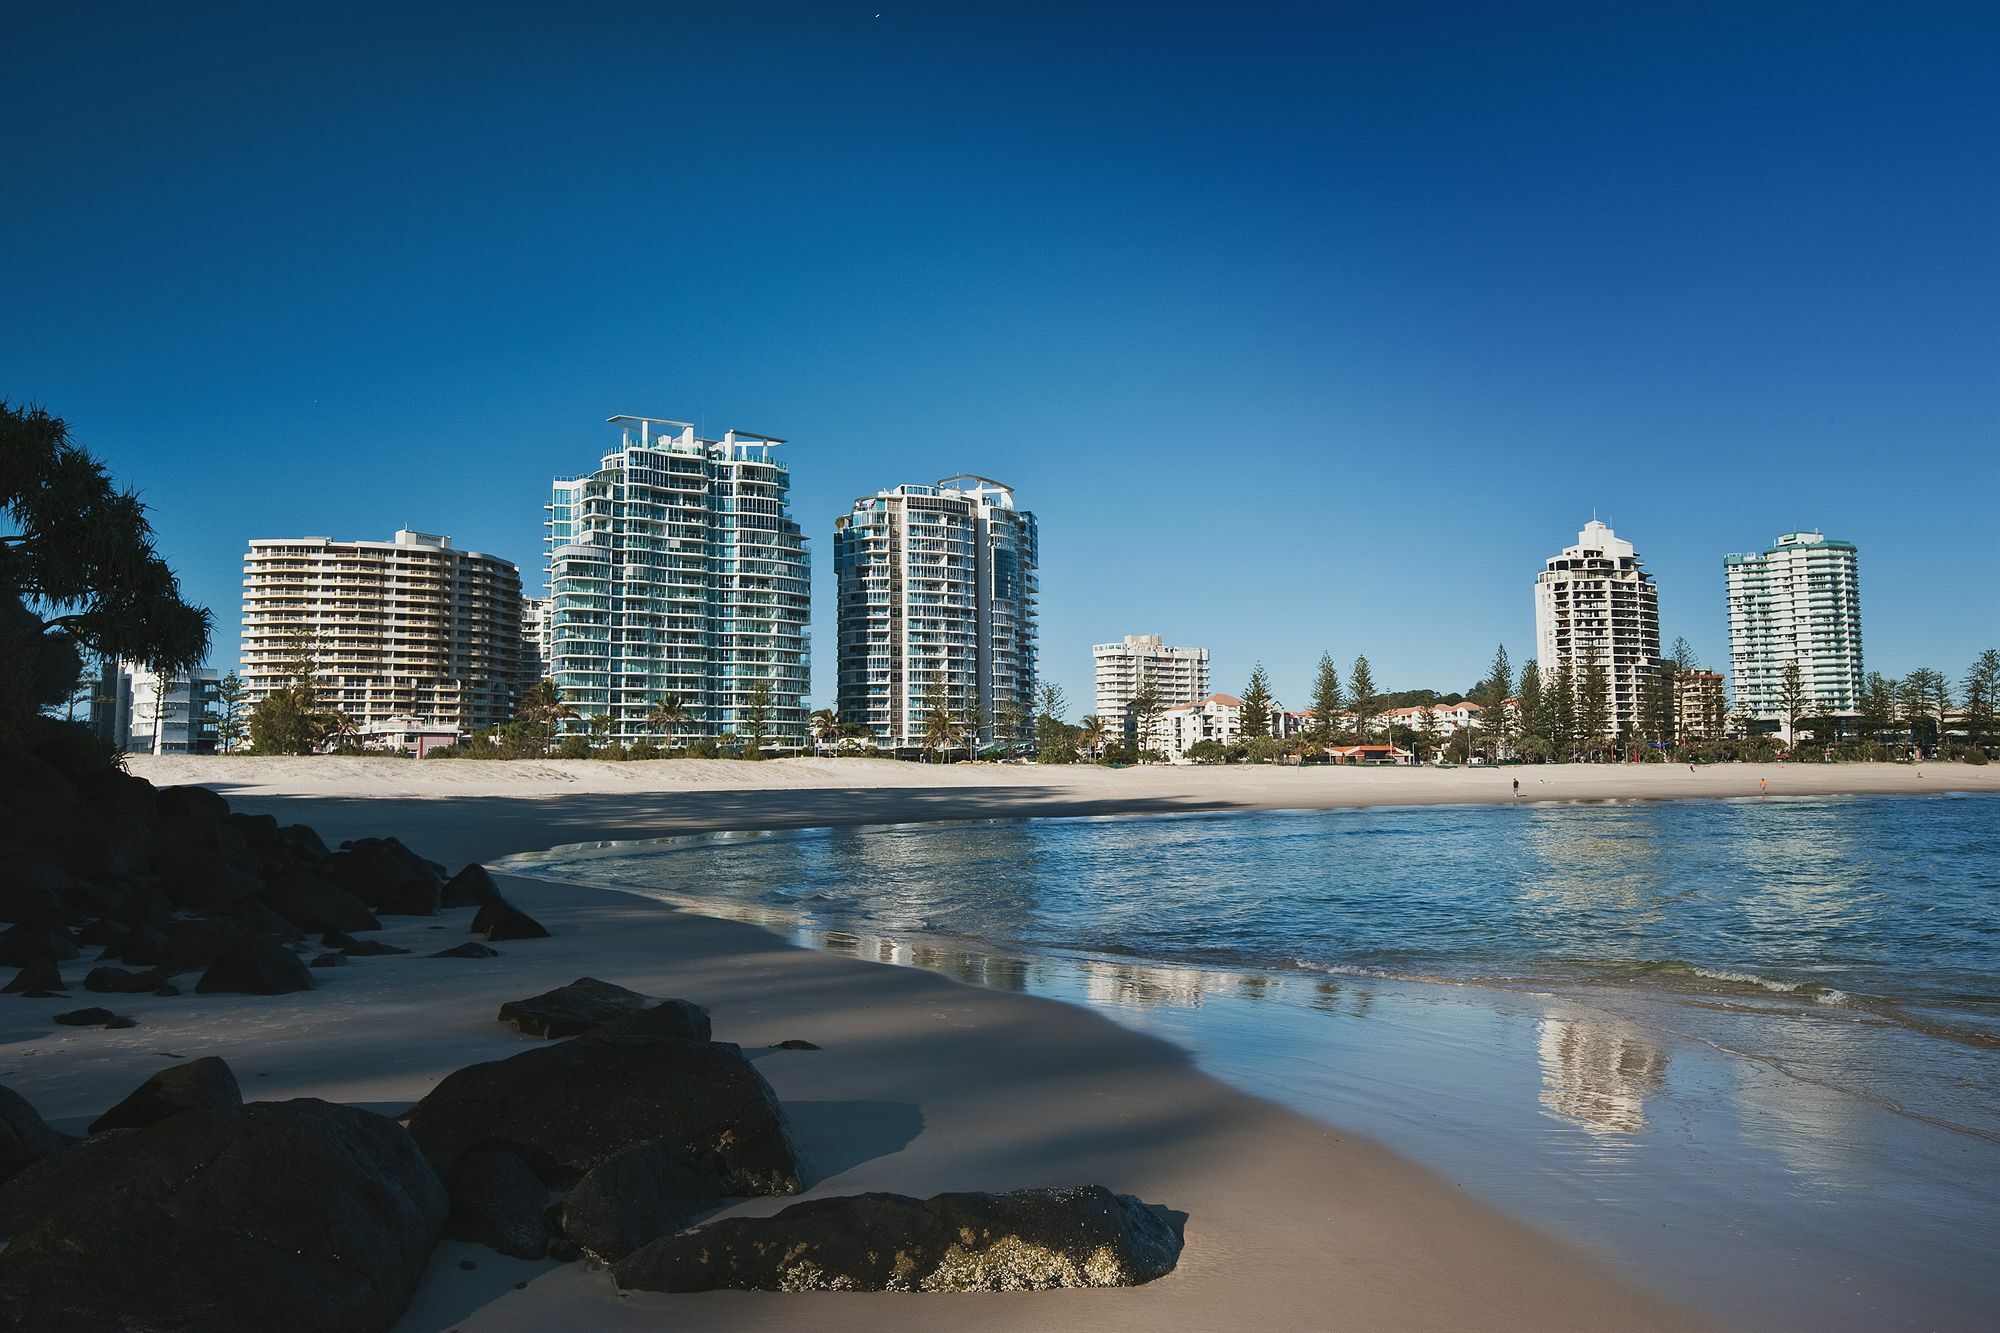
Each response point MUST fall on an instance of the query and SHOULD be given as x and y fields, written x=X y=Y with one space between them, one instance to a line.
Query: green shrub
x=573 y=747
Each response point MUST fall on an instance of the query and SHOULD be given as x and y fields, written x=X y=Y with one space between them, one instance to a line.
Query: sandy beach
x=925 y=1085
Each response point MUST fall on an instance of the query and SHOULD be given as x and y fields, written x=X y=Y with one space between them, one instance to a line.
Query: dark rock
x=501 y=920
x=1026 y=1240
x=109 y=843
x=497 y=1201
x=44 y=977
x=577 y=1007
x=466 y=951
x=264 y=921
x=21 y=945
x=204 y=882
x=169 y=989
x=564 y=1251
x=302 y=842
x=428 y=871
x=85 y=1018
x=144 y=946
x=794 y=1044
x=31 y=890
x=471 y=887
x=568 y=1106
x=193 y=945
x=258 y=831
x=368 y=872
x=354 y=948
x=101 y=934
x=329 y=960
x=196 y=804
x=30 y=783
x=199 y=1085
x=121 y=1021
x=412 y=899
x=647 y=1191
x=24 y=1137
x=311 y=903
x=118 y=981
x=300 y=1216
x=254 y=966
x=669 y=1018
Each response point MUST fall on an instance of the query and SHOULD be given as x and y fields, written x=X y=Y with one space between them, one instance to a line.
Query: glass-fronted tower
x=676 y=569
x=937 y=606
x=1797 y=601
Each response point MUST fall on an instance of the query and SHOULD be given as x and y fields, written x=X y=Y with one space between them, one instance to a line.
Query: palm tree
x=668 y=713
x=543 y=706
x=1091 y=732
x=941 y=730
x=826 y=727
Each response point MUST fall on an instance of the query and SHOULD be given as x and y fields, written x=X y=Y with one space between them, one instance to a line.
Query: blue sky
x=1301 y=328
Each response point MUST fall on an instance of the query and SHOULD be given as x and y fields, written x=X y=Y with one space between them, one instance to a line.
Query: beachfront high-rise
x=937 y=605
x=1175 y=675
x=408 y=628
x=676 y=569
x=1797 y=601
x=1595 y=603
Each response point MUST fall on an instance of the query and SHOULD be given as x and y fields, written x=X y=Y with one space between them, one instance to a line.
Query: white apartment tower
x=937 y=601
x=411 y=627
x=676 y=569
x=1176 y=675
x=1798 y=601
x=1595 y=603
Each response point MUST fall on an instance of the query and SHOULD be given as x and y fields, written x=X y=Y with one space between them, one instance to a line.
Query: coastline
x=925 y=1085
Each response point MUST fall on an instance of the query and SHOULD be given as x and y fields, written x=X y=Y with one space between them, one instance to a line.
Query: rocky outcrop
x=567 y=1107
x=312 y=904
x=498 y=1202
x=43 y=978
x=199 y=1085
x=470 y=887
x=354 y=948
x=25 y=1137
x=298 y=1216
x=92 y=1017
x=255 y=966
x=647 y=1191
x=501 y=920
x=118 y=981
x=603 y=1009
x=467 y=950
x=1025 y=1240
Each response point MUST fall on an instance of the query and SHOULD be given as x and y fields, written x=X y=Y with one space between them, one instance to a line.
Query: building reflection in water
x=1598 y=1072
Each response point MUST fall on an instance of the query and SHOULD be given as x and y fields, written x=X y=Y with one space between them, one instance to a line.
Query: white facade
x=1176 y=675
x=1218 y=718
x=534 y=641
x=1799 y=601
x=676 y=568
x=411 y=627
x=937 y=596
x=172 y=714
x=1595 y=603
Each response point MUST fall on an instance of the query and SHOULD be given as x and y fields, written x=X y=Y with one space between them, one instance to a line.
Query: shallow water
x=1745 y=1049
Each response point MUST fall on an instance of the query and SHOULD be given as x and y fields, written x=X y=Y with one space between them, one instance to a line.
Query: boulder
x=258 y=831
x=199 y=1085
x=92 y=1017
x=300 y=1216
x=22 y=945
x=118 y=981
x=636 y=1196
x=261 y=919
x=501 y=920
x=582 y=1005
x=354 y=948
x=369 y=871
x=101 y=934
x=795 y=1044
x=412 y=899
x=31 y=889
x=470 y=887
x=193 y=945
x=203 y=882
x=568 y=1106
x=31 y=784
x=42 y=977
x=329 y=960
x=467 y=950
x=198 y=805
x=109 y=843
x=143 y=946
x=25 y=1137
x=311 y=903
x=498 y=1202
x=302 y=843
x=255 y=966
x=1026 y=1240
x=669 y=1018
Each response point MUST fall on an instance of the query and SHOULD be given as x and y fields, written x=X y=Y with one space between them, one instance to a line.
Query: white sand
x=925 y=1085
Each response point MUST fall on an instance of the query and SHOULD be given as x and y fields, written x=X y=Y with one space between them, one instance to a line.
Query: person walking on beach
x=1762 y=790
x=1517 y=786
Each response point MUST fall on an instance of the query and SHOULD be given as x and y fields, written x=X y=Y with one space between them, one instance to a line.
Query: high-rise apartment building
x=1142 y=661
x=407 y=628
x=1595 y=604
x=937 y=603
x=1699 y=706
x=676 y=569
x=534 y=642
x=1797 y=601
x=165 y=713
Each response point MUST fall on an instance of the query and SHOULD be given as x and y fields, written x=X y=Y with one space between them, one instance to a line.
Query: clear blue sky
x=1301 y=328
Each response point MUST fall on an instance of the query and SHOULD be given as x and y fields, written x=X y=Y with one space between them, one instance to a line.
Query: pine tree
x=1362 y=698
x=1257 y=705
x=230 y=694
x=1493 y=694
x=1792 y=699
x=1878 y=706
x=1326 y=701
x=1562 y=712
x=1535 y=738
x=1982 y=698
x=1593 y=708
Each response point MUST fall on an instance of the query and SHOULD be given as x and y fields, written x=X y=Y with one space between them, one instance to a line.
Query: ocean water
x=1747 y=1050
